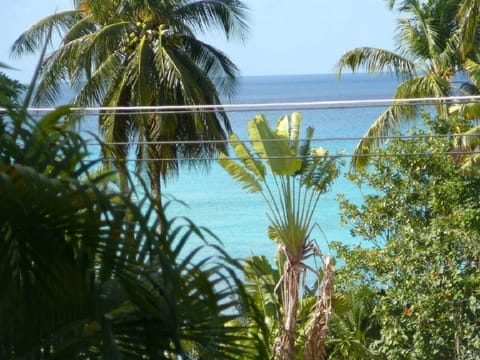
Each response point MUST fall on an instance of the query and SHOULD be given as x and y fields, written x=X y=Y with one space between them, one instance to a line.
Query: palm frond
x=278 y=154
x=288 y=128
x=418 y=35
x=240 y=174
x=470 y=138
x=376 y=61
x=229 y=15
x=31 y=40
x=429 y=85
x=96 y=90
x=373 y=137
x=468 y=15
x=255 y=166
x=221 y=71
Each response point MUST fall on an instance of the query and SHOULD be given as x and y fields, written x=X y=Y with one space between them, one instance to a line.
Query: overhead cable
x=306 y=105
x=452 y=153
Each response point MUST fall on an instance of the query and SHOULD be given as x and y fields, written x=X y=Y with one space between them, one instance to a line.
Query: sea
x=238 y=219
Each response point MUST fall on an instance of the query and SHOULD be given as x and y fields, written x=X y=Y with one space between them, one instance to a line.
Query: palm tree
x=354 y=327
x=432 y=48
x=121 y=53
x=300 y=175
x=82 y=280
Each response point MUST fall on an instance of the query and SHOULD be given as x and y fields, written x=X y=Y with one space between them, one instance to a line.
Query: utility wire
x=313 y=140
x=311 y=105
x=328 y=156
x=327 y=104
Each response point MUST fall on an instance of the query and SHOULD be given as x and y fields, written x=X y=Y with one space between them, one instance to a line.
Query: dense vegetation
x=91 y=269
x=85 y=272
x=420 y=249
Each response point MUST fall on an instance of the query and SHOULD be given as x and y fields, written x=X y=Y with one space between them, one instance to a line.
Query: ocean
x=237 y=218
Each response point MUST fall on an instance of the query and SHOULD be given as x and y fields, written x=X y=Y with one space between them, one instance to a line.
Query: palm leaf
x=278 y=154
x=288 y=128
x=253 y=165
x=469 y=139
x=38 y=34
x=237 y=172
x=468 y=14
x=376 y=61
x=227 y=15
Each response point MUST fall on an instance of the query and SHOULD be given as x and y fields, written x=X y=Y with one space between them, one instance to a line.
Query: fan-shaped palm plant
x=300 y=174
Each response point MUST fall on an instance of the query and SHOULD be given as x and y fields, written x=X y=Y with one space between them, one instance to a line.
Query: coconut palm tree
x=431 y=50
x=300 y=175
x=144 y=53
x=469 y=19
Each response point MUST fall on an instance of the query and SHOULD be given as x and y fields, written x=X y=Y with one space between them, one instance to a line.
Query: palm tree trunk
x=318 y=329
x=155 y=183
x=284 y=345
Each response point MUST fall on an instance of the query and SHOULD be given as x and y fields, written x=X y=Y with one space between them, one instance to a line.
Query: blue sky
x=286 y=37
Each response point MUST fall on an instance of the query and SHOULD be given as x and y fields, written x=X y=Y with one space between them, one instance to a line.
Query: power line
x=329 y=156
x=308 y=105
x=312 y=140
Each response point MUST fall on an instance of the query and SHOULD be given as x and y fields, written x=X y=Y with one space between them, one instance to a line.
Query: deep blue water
x=238 y=218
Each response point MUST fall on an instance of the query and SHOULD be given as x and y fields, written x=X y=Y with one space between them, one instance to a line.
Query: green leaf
x=246 y=157
x=276 y=151
x=288 y=127
x=240 y=174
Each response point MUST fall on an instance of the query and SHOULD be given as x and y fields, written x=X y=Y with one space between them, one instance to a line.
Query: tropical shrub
x=420 y=249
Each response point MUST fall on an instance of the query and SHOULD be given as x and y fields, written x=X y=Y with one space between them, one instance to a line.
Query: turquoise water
x=238 y=218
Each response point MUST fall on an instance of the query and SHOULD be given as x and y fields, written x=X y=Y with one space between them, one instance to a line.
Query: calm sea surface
x=215 y=201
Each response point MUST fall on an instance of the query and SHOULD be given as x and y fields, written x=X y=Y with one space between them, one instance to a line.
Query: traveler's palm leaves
x=300 y=175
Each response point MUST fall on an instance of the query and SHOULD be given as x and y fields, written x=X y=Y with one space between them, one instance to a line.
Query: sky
x=287 y=37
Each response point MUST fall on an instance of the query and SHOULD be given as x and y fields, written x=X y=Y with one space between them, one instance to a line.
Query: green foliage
x=144 y=53
x=354 y=327
x=9 y=91
x=420 y=219
x=435 y=40
x=261 y=282
x=85 y=273
x=299 y=175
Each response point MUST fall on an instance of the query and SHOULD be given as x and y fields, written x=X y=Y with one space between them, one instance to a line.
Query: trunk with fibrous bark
x=284 y=345
x=317 y=330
